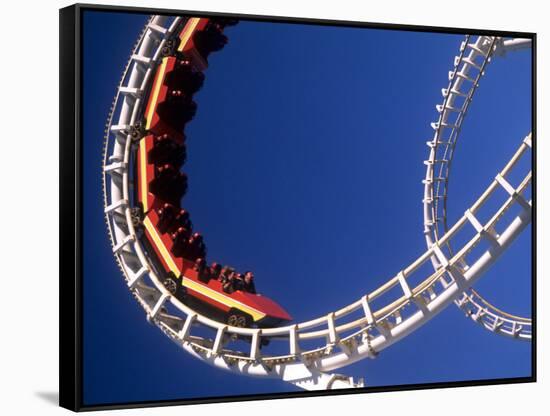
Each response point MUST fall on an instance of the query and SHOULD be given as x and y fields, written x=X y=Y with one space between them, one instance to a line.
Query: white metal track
x=359 y=330
x=464 y=78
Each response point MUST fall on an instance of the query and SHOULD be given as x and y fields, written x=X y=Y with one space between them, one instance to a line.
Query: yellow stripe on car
x=188 y=31
x=160 y=245
x=143 y=171
x=187 y=282
x=156 y=90
x=193 y=285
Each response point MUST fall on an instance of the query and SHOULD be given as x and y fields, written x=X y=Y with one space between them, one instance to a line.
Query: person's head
x=185 y=62
x=179 y=232
x=248 y=276
x=165 y=209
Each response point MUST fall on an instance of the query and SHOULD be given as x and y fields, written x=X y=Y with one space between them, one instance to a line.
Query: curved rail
x=469 y=67
x=359 y=330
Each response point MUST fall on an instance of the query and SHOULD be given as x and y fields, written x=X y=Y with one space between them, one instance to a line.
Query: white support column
x=120 y=128
x=512 y=192
x=131 y=92
x=404 y=285
x=293 y=340
x=218 y=343
x=159 y=304
x=332 y=334
x=138 y=277
x=440 y=255
x=143 y=60
x=458 y=277
x=480 y=229
x=479 y=314
x=115 y=205
x=156 y=30
x=474 y=221
x=115 y=167
x=186 y=329
x=366 y=308
x=497 y=323
x=255 y=345
x=120 y=246
x=516 y=329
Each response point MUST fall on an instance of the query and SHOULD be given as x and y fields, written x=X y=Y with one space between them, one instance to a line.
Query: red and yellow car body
x=207 y=297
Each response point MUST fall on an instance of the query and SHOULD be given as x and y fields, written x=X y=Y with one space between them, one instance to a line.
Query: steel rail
x=435 y=213
x=374 y=330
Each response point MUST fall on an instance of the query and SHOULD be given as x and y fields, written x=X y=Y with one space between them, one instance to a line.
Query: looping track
x=359 y=330
x=469 y=67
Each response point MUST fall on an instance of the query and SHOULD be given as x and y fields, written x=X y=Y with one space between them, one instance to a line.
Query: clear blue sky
x=305 y=165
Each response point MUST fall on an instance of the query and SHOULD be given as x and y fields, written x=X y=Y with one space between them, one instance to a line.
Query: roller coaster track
x=357 y=331
x=464 y=79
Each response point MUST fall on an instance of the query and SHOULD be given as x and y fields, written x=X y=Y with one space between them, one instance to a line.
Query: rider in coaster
x=215 y=271
x=239 y=281
x=181 y=245
x=248 y=283
x=224 y=272
x=197 y=247
x=183 y=220
x=229 y=285
x=166 y=216
x=201 y=269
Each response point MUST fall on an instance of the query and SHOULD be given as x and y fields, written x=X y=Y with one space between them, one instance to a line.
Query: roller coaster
x=163 y=260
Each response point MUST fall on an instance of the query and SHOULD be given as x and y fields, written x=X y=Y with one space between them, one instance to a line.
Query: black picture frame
x=70 y=215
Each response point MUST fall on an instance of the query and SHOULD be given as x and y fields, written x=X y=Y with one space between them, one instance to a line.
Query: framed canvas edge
x=70 y=202
x=70 y=359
